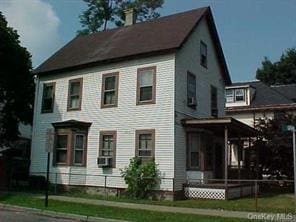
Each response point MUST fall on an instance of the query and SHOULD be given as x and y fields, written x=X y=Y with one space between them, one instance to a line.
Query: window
x=193 y=151
x=239 y=95
x=229 y=95
x=61 y=149
x=203 y=54
x=146 y=85
x=78 y=148
x=70 y=143
x=75 y=94
x=48 y=98
x=109 y=90
x=145 y=143
x=235 y=95
x=108 y=145
x=191 y=90
x=214 y=101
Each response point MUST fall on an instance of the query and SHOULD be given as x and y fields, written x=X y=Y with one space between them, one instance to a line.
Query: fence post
x=105 y=185
x=55 y=184
x=256 y=196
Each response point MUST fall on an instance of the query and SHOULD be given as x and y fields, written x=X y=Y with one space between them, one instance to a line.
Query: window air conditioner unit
x=104 y=161
x=191 y=101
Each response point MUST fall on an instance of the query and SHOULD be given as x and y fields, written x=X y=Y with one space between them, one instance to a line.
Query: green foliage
x=275 y=146
x=16 y=84
x=101 y=12
x=280 y=72
x=140 y=177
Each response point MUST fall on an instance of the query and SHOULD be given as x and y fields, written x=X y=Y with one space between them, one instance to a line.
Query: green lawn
x=275 y=202
x=104 y=211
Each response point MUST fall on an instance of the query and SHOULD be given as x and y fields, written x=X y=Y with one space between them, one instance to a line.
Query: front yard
x=106 y=211
x=275 y=202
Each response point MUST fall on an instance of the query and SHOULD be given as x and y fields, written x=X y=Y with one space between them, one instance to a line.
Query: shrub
x=140 y=177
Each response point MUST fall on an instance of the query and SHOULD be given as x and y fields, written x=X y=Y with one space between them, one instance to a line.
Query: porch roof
x=218 y=125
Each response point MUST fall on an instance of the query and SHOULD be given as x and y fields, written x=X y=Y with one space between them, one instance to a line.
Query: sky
x=249 y=30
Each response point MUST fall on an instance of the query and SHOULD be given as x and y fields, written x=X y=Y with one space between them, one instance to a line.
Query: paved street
x=17 y=216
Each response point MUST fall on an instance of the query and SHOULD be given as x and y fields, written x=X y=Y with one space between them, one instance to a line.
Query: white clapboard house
x=154 y=90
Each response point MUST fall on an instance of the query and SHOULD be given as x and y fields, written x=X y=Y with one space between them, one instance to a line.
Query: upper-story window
x=229 y=95
x=203 y=54
x=239 y=95
x=109 y=90
x=75 y=94
x=146 y=85
x=235 y=95
x=191 y=90
x=48 y=98
x=214 y=101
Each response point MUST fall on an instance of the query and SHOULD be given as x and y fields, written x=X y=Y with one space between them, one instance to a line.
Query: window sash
x=109 y=90
x=48 y=97
x=240 y=95
x=63 y=148
x=193 y=159
x=203 y=54
x=79 y=150
x=107 y=147
x=229 y=95
x=191 y=87
x=75 y=94
x=146 y=85
x=145 y=143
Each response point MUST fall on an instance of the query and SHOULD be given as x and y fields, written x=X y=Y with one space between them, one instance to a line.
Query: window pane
x=78 y=156
x=146 y=78
x=74 y=102
x=146 y=93
x=47 y=104
x=61 y=156
x=239 y=94
x=62 y=141
x=75 y=88
x=79 y=142
x=194 y=159
x=110 y=82
x=145 y=141
x=145 y=153
x=48 y=91
x=107 y=142
x=109 y=97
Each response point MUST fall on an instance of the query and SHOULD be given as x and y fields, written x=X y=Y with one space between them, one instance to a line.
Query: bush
x=140 y=177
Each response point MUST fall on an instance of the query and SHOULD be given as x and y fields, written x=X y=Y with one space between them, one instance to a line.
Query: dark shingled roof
x=161 y=35
x=268 y=96
x=289 y=91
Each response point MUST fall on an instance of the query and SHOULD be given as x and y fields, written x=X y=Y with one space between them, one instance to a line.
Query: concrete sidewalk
x=182 y=210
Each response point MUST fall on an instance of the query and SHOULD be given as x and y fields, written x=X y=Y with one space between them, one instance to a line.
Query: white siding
x=125 y=119
x=188 y=59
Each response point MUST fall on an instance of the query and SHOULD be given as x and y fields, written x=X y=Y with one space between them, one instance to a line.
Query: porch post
x=239 y=157
x=226 y=156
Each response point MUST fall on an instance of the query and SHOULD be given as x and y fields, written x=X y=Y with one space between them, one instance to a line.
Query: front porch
x=218 y=159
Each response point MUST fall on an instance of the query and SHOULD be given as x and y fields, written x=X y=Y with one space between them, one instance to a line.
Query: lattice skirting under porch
x=204 y=193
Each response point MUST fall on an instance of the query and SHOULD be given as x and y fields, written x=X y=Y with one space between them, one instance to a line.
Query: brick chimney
x=130 y=17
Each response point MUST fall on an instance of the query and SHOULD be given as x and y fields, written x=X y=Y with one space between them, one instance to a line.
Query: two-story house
x=133 y=91
x=250 y=101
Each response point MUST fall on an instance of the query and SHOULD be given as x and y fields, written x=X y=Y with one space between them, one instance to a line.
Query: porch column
x=226 y=156
x=239 y=157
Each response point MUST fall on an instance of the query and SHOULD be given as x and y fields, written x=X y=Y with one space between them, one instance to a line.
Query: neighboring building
x=134 y=91
x=248 y=101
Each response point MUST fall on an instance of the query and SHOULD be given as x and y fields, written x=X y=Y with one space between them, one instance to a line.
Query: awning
x=217 y=125
x=71 y=123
